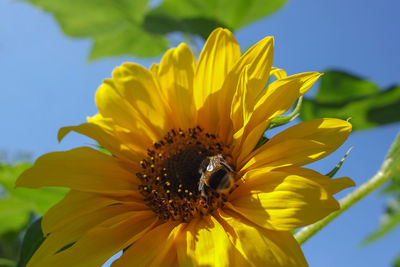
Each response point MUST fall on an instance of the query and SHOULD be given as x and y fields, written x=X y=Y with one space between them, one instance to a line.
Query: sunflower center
x=173 y=172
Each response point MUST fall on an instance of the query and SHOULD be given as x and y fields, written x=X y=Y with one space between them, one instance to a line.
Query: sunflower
x=184 y=182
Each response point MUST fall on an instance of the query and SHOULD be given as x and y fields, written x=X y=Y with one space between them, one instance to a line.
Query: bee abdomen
x=219 y=180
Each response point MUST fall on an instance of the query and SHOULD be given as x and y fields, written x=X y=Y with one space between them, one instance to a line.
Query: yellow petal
x=245 y=142
x=278 y=73
x=70 y=233
x=204 y=242
x=135 y=143
x=280 y=95
x=155 y=248
x=333 y=186
x=130 y=144
x=321 y=130
x=83 y=169
x=107 y=139
x=101 y=242
x=281 y=201
x=274 y=101
x=217 y=58
x=262 y=247
x=294 y=152
x=240 y=109
x=133 y=147
x=175 y=75
x=301 y=144
x=154 y=70
x=339 y=184
x=258 y=60
x=132 y=100
x=137 y=85
x=70 y=208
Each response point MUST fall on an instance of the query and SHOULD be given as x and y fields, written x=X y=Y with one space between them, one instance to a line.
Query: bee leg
x=203 y=193
x=202 y=183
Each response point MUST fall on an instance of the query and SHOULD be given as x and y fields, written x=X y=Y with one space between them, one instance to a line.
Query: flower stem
x=388 y=169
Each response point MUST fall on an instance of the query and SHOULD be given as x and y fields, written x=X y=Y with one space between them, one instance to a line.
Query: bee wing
x=212 y=165
x=226 y=165
x=203 y=166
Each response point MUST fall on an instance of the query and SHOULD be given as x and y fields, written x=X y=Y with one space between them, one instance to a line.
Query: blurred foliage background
x=144 y=28
x=140 y=28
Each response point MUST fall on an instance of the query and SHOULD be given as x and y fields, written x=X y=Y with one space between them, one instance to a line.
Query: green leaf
x=114 y=26
x=9 y=245
x=92 y=17
x=126 y=27
x=128 y=39
x=32 y=241
x=8 y=174
x=397 y=261
x=163 y=24
x=7 y=262
x=392 y=160
x=394 y=185
x=14 y=214
x=342 y=95
x=231 y=13
x=17 y=204
x=391 y=218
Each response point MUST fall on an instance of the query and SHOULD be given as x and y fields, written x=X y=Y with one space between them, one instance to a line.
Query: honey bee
x=216 y=174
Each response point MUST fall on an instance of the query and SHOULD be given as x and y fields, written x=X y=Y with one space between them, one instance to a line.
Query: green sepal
x=103 y=150
x=261 y=142
x=337 y=167
x=282 y=120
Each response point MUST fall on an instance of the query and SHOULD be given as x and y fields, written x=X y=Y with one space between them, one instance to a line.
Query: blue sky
x=47 y=83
